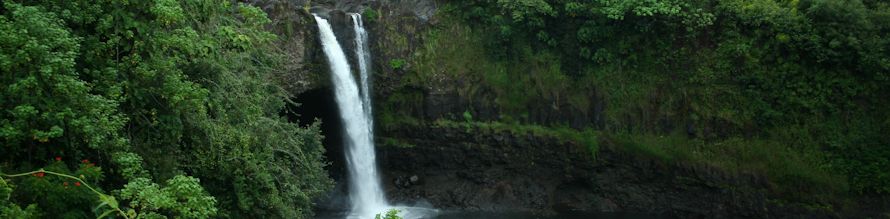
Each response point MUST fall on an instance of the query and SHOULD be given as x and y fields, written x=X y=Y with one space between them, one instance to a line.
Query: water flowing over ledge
x=354 y=102
x=366 y=194
x=363 y=55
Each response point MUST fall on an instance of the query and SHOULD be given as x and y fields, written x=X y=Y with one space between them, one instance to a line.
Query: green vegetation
x=173 y=99
x=588 y=137
x=397 y=63
x=792 y=171
x=391 y=214
x=370 y=15
x=794 y=90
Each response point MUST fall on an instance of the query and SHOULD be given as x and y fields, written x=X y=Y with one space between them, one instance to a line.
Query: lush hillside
x=794 y=90
x=177 y=108
x=143 y=109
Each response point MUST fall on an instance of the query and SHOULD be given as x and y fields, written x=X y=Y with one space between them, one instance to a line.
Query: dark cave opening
x=319 y=104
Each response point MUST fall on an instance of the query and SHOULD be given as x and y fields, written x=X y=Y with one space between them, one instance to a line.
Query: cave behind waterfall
x=319 y=104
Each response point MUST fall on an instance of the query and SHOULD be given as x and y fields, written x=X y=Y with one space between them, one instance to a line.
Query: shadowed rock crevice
x=319 y=104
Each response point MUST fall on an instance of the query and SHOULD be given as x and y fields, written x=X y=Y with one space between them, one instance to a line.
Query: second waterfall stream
x=366 y=195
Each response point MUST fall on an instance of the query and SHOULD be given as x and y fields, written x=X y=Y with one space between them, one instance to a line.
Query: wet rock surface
x=486 y=171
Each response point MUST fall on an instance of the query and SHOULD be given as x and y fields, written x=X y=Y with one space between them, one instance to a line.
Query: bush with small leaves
x=390 y=214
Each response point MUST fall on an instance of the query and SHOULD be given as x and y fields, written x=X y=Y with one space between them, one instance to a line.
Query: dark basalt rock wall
x=456 y=168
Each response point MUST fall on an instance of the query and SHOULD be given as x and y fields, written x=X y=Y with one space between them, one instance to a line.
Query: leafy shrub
x=397 y=64
x=183 y=196
x=370 y=15
x=9 y=209
x=390 y=214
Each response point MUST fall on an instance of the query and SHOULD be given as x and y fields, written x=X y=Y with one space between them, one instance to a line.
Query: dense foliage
x=173 y=99
x=794 y=89
x=391 y=214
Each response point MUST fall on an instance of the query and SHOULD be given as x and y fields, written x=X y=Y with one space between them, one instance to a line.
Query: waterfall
x=366 y=194
x=363 y=56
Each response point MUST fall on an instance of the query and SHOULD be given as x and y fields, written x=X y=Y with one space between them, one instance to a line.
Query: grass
x=588 y=137
x=799 y=174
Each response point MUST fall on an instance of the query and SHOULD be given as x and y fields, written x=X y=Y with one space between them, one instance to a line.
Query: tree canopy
x=173 y=99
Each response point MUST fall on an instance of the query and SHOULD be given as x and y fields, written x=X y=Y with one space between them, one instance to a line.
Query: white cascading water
x=366 y=194
x=363 y=56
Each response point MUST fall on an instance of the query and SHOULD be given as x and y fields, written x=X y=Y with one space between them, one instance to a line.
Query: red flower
x=85 y=161
x=58 y=158
x=76 y=183
x=39 y=174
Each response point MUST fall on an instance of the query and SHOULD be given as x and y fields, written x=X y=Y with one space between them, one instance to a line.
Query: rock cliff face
x=473 y=169
x=398 y=30
x=298 y=37
x=397 y=20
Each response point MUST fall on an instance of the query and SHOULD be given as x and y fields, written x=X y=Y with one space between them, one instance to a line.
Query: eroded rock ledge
x=475 y=169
